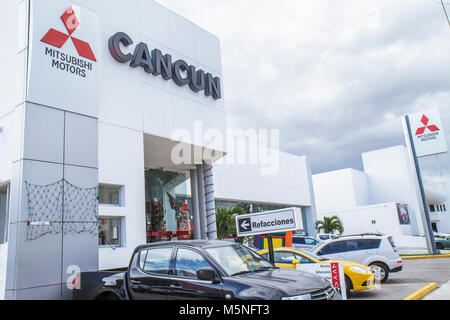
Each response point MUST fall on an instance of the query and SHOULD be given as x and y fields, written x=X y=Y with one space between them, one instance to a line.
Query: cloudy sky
x=334 y=76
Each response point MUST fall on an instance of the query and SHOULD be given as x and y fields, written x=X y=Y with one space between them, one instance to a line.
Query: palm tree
x=226 y=223
x=330 y=225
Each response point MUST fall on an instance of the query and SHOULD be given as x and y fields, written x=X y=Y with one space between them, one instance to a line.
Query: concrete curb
x=425 y=257
x=442 y=293
x=419 y=294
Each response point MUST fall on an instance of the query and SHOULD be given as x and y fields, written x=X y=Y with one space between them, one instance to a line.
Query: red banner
x=335 y=275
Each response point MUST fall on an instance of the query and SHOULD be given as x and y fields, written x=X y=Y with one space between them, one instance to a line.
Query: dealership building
x=384 y=197
x=96 y=96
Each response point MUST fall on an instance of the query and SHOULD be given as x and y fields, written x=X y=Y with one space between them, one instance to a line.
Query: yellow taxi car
x=358 y=277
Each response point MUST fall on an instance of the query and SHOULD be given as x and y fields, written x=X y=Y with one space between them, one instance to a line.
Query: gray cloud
x=334 y=76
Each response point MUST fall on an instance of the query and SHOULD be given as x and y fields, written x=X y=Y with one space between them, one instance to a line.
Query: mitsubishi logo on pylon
x=425 y=122
x=58 y=39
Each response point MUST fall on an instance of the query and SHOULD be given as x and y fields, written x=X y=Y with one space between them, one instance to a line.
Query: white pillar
x=202 y=202
x=195 y=205
x=210 y=202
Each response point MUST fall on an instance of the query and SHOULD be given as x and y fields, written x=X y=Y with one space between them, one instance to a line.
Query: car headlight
x=302 y=297
x=359 y=269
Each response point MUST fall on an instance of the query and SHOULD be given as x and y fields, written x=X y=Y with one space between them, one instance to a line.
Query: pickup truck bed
x=101 y=285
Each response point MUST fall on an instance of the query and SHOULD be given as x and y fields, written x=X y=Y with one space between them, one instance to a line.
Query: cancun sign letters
x=156 y=63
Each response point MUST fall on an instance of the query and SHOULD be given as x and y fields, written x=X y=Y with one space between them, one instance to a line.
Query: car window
x=368 y=244
x=333 y=247
x=287 y=257
x=298 y=240
x=142 y=256
x=188 y=262
x=237 y=259
x=158 y=260
x=284 y=257
x=311 y=242
x=353 y=245
x=303 y=259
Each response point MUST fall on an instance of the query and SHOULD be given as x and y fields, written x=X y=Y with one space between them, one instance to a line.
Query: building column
x=202 y=202
x=210 y=201
x=195 y=205
x=310 y=213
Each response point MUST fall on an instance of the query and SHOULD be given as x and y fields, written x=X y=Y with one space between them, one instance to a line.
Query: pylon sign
x=428 y=134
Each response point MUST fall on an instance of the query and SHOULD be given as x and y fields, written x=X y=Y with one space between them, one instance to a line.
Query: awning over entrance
x=168 y=165
x=163 y=153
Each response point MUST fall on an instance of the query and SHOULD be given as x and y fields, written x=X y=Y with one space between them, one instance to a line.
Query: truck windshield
x=238 y=259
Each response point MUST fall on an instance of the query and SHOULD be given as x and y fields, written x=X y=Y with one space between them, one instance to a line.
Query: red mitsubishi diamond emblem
x=58 y=39
x=425 y=121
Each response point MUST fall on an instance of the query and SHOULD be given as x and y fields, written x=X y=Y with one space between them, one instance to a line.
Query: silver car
x=304 y=242
x=377 y=251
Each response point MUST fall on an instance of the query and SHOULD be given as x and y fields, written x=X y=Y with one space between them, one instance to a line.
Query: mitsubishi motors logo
x=58 y=39
x=427 y=133
x=425 y=122
x=72 y=64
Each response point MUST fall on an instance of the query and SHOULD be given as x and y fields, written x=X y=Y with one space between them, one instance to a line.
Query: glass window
x=288 y=257
x=188 y=262
x=432 y=208
x=165 y=196
x=434 y=227
x=334 y=247
x=296 y=240
x=158 y=260
x=284 y=257
x=110 y=231
x=142 y=257
x=311 y=241
x=353 y=245
x=109 y=195
x=324 y=237
x=4 y=216
x=303 y=259
x=371 y=243
x=236 y=259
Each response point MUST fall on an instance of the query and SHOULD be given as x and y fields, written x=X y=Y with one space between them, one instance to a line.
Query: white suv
x=377 y=251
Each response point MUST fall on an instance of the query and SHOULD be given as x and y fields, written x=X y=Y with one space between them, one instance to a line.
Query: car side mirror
x=207 y=274
x=295 y=262
x=319 y=253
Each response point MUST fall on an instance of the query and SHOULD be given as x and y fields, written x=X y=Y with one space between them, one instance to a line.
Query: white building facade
x=385 y=197
x=96 y=96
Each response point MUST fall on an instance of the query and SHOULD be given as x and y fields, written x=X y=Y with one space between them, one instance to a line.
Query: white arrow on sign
x=245 y=225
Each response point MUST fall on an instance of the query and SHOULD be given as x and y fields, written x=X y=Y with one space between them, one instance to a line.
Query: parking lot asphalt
x=416 y=274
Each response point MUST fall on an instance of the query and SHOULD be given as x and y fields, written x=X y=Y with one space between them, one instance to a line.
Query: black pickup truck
x=200 y=270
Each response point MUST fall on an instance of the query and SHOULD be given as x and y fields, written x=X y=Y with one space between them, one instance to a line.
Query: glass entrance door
x=165 y=196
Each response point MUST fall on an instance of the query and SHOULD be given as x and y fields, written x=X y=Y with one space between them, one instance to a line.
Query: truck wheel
x=380 y=271
x=108 y=296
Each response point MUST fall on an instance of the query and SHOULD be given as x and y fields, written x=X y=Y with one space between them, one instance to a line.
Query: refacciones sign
x=269 y=222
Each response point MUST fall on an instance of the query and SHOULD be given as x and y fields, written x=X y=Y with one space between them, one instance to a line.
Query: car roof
x=364 y=234
x=284 y=248
x=301 y=236
x=192 y=243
